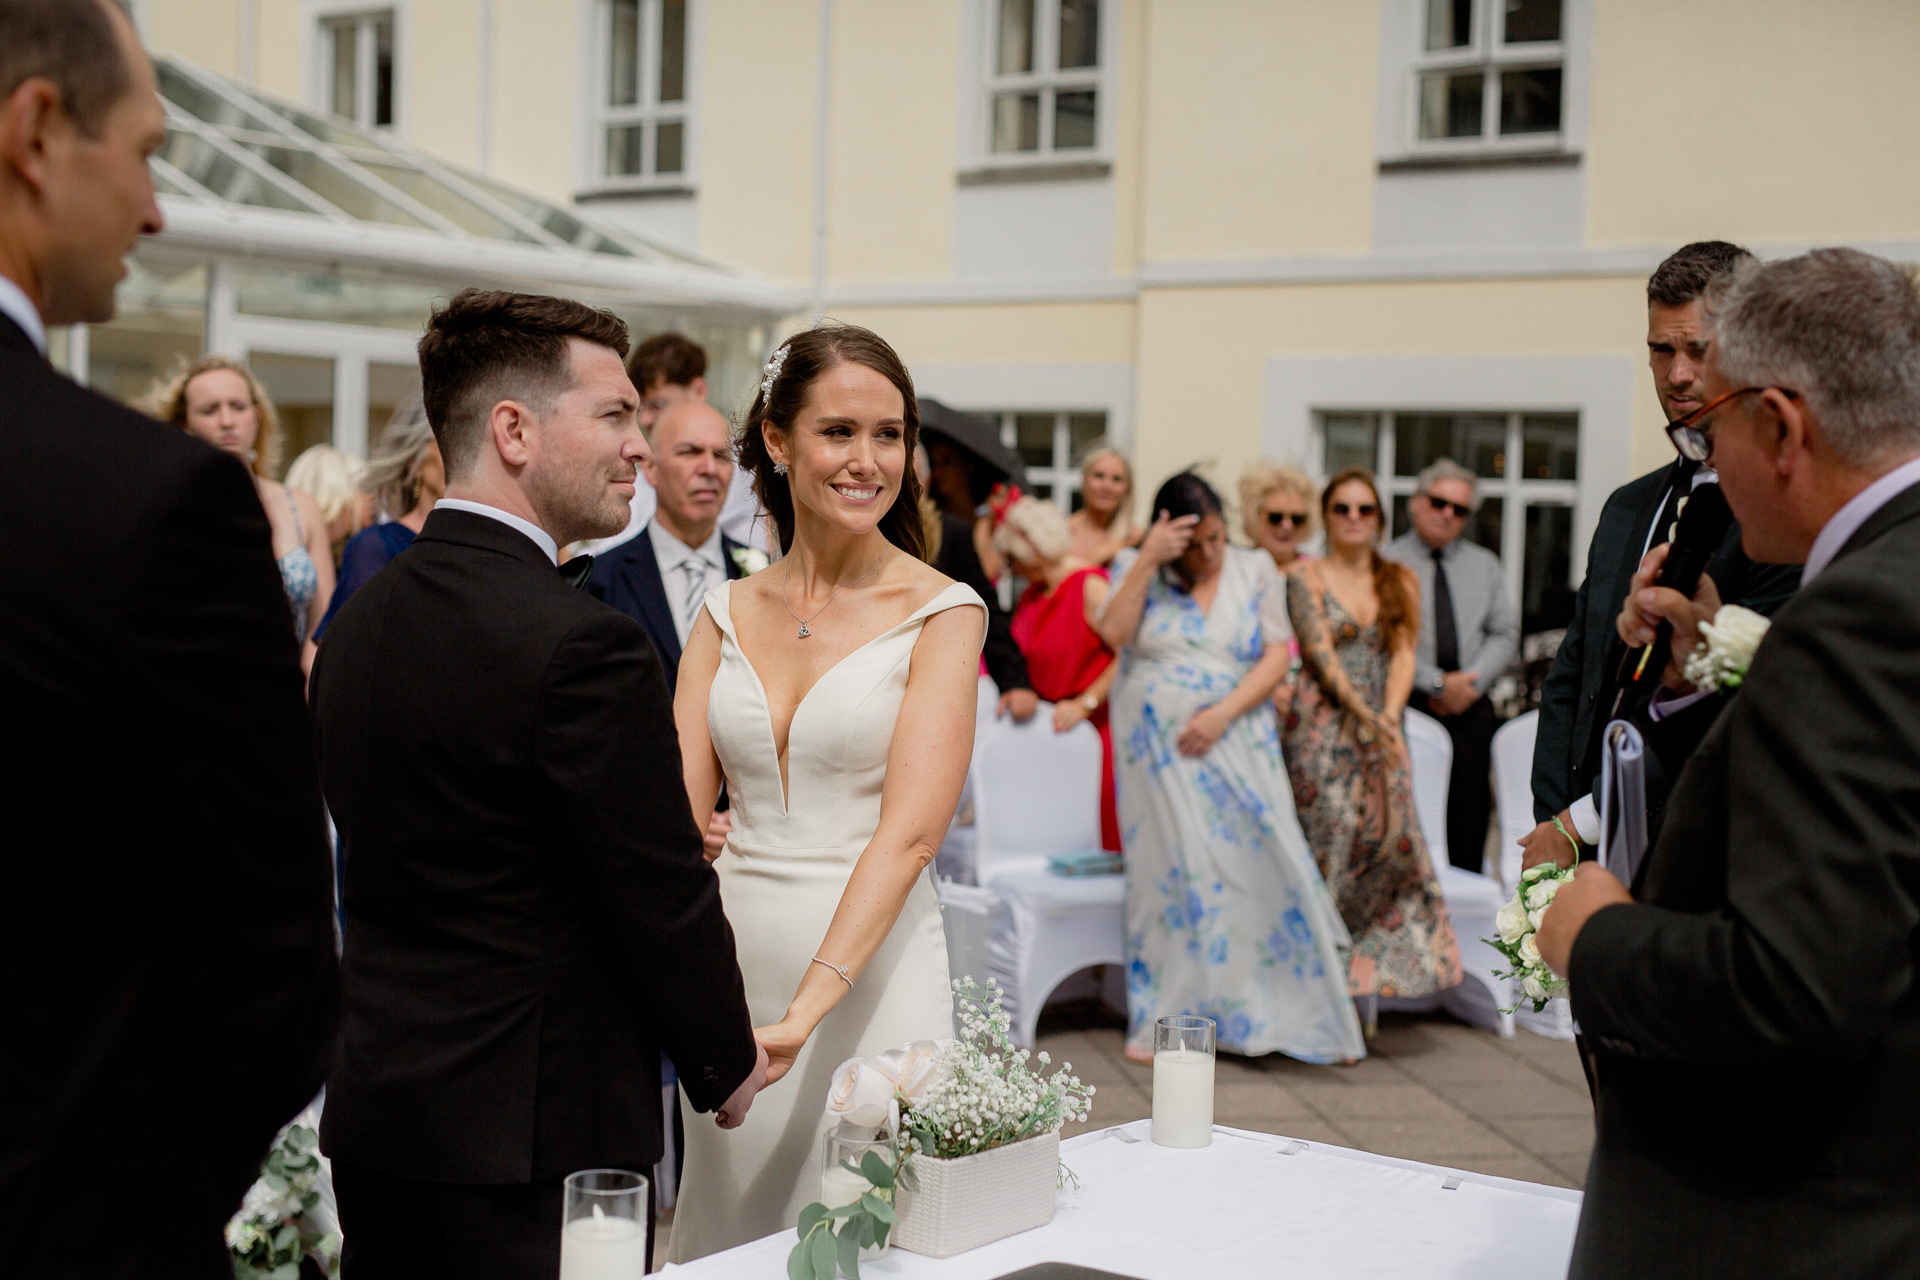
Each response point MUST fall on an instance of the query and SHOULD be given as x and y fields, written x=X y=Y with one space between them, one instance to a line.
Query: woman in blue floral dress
x=1227 y=916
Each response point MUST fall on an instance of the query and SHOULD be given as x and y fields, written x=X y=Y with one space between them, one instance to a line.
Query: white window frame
x=1487 y=52
x=1517 y=492
x=329 y=19
x=648 y=112
x=980 y=69
x=1063 y=474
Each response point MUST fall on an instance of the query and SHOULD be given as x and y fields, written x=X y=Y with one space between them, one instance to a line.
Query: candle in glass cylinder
x=840 y=1186
x=1182 y=1098
x=603 y=1248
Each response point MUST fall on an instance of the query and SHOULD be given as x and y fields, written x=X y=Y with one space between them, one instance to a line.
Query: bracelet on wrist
x=839 y=969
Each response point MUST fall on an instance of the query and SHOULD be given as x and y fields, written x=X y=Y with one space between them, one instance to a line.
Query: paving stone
x=1402 y=1101
x=1524 y=1098
x=1549 y=1137
x=1239 y=1104
x=1438 y=1139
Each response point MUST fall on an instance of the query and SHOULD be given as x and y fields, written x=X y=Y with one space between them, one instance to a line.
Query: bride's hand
x=782 y=1042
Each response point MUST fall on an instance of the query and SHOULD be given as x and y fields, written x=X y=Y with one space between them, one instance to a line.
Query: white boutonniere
x=749 y=560
x=1720 y=663
x=1517 y=923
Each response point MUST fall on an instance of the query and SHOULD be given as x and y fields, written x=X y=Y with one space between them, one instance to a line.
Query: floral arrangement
x=282 y=1218
x=1721 y=662
x=750 y=560
x=941 y=1099
x=1518 y=924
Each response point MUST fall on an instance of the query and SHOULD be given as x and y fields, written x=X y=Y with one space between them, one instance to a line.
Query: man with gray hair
x=1753 y=1003
x=1469 y=634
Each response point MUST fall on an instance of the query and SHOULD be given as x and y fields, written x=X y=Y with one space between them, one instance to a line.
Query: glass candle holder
x=847 y=1144
x=603 y=1228
x=1183 y=1056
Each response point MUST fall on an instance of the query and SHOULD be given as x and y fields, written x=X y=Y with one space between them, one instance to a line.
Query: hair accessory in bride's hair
x=775 y=363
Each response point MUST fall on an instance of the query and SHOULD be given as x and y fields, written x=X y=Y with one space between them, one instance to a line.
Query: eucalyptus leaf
x=811 y=1217
x=845 y=1210
x=826 y=1256
x=800 y=1262
x=880 y=1230
x=875 y=1170
x=285 y=1271
x=849 y=1241
x=879 y=1208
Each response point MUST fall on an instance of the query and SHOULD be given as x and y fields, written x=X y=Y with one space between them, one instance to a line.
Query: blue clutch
x=1096 y=863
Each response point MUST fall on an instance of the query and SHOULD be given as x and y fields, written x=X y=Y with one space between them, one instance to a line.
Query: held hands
x=1590 y=889
x=781 y=1043
x=1167 y=540
x=1545 y=844
x=1207 y=727
x=1021 y=704
x=1647 y=606
x=719 y=827
x=734 y=1110
x=1067 y=713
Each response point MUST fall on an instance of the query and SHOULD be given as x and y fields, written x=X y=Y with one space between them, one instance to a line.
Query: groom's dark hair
x=488 y=345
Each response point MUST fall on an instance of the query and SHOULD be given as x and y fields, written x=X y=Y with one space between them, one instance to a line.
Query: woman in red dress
x=1069 y=664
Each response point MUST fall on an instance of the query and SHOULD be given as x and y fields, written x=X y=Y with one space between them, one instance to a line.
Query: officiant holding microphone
x=1753 y=1003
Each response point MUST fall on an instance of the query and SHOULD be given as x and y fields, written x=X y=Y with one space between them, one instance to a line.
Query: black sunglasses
x=1460 y=509
x=1366 y=510
x=1693 y=436
x=1298 y=519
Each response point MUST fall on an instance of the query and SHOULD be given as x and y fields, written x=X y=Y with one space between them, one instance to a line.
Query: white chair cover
x=1430 y=754
x=1513 y=790
x=955 y=860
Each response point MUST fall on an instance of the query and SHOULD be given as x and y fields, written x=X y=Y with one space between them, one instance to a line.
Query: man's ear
x=698 y=388
x=1788 y=437
x=510 y=427
x=27 y=117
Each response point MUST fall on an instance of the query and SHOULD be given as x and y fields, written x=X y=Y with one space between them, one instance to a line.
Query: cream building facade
x=1365 y=231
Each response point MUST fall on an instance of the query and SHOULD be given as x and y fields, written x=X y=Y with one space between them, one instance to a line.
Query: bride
x=835 y=693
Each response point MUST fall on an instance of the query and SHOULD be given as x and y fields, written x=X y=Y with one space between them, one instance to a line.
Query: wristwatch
x=1091 y=703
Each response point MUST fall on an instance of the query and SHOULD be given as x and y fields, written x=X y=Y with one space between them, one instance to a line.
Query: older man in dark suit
x=166 y=962
x=1756 y=1011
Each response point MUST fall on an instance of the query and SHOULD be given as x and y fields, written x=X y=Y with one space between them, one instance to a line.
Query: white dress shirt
x=541 y=537
x=16 y=306
x=687 y=573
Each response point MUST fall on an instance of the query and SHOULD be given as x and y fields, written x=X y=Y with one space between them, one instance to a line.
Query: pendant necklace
x=806 y=624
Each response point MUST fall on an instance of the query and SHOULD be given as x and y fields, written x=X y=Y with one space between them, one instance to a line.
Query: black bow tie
x=575 y=572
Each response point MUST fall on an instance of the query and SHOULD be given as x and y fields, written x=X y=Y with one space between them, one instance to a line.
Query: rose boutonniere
x=749 y=560
x=1720 y=662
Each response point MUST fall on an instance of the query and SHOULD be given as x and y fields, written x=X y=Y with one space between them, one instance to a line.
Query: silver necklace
x=806 y=624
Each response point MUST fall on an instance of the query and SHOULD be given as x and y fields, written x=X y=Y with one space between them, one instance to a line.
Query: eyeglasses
x=1460 y=509
x=1365 y=511
x=1298 y=519
x=1694 y=438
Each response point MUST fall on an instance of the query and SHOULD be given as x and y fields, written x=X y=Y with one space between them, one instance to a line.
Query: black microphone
x=1705 y=518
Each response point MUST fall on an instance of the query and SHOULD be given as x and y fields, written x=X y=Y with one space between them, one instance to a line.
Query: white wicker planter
x=963 y=1203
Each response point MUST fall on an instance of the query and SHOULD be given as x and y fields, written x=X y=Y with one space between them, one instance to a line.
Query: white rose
x=1533 y=988
x=1733 y=635
x=915 y=1068
x=1535 y=871
x=1534 y=917
x=1541 y=894
x=1511 y=920
x=1530 y=949
x=861 y=1093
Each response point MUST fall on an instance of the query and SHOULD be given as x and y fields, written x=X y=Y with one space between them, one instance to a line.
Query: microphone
x=1705 y=518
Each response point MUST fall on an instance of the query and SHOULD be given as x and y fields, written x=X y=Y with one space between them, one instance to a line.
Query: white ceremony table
x=1245 y=1207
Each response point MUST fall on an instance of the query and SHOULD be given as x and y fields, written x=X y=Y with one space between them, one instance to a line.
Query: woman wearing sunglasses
x=1357 y=615
x=1276 y=506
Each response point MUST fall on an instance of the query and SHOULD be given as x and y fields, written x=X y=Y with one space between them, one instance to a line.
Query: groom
x=529 y=920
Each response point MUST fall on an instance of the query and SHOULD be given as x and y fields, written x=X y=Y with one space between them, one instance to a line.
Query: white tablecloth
x=1243 y=1207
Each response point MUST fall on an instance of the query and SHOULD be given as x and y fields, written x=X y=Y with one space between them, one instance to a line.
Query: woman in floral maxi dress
x=1351 y=783
x=1226 y=916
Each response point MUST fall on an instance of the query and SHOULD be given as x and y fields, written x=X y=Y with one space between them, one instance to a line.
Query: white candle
x=838 y=1187
x=603 y=1248
x=1182 y=1098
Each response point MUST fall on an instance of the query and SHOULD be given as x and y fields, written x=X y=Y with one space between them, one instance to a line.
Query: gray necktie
x=695 y=568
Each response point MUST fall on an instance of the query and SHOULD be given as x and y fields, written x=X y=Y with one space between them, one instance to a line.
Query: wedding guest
x=218 y=400
x=1226 y=916
x=403 y=480
x=1469 y=635
x=1103 y=526
x=1054 y=622
x=1276 y=514
x=332 y=479
x=167 y=962
x=529 y=920
x=1752 y=1003
x=1356 y=613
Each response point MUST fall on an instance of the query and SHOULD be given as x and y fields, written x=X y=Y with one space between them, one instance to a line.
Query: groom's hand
x=782 y=1043
x=1591 y=889
x=734 y=1109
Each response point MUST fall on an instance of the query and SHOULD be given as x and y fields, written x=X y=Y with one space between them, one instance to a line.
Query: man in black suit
x=166 y=965
x=1578 y=695
x=529 y=920
x=1756 y=1010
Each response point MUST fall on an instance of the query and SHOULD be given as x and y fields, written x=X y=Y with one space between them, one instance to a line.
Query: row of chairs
x=1033 y=793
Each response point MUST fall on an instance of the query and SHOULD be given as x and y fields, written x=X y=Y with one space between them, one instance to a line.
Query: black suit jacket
x=628 y=578
x=1578 y=692
x=959 y=561
x=529 y=918
x=1756 y=1012
x=166 y=962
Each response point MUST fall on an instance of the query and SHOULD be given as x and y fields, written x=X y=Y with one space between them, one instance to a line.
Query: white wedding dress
x=781 y=877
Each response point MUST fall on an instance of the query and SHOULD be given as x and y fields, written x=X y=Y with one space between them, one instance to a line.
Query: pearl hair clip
x=775 y=363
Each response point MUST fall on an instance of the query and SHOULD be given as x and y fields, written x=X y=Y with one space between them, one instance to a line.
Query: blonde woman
x=332 y=479
x=403 y=480
x=1276 y=511
x=1103 y=526
x=220 y=401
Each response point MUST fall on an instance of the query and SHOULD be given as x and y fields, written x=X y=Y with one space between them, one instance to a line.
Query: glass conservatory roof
x=301 y=181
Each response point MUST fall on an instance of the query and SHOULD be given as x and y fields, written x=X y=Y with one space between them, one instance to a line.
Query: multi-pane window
x=1489 y=71
x=1043 y=78
x=358 y=51
x=1050 y=445
x=643 y=112
x=1527 y=466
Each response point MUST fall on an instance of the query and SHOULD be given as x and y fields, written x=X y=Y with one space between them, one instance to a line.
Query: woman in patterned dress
x=1226 y=916
x=1357 y=615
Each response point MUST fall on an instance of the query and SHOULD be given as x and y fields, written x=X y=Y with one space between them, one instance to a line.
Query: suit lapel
x=728 y=550
x=642 y=571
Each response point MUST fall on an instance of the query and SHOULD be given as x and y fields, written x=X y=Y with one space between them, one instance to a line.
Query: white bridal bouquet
x=283 y=1217
x=1729 y=641
x=937 y=1099
x=1518 y=924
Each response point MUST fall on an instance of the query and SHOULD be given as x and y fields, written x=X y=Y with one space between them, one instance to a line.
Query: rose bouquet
x=1518 y=924
x=284 y=1217
x=1720 y=662
x=941 y=1099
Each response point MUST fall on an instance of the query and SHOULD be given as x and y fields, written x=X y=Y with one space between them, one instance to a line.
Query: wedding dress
x=781 y=877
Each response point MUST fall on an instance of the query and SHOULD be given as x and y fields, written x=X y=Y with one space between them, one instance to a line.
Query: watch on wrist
x=1091 y=703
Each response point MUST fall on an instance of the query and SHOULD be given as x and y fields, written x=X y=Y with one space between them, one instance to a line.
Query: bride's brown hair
x=1399 y=607
x=801 y=361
